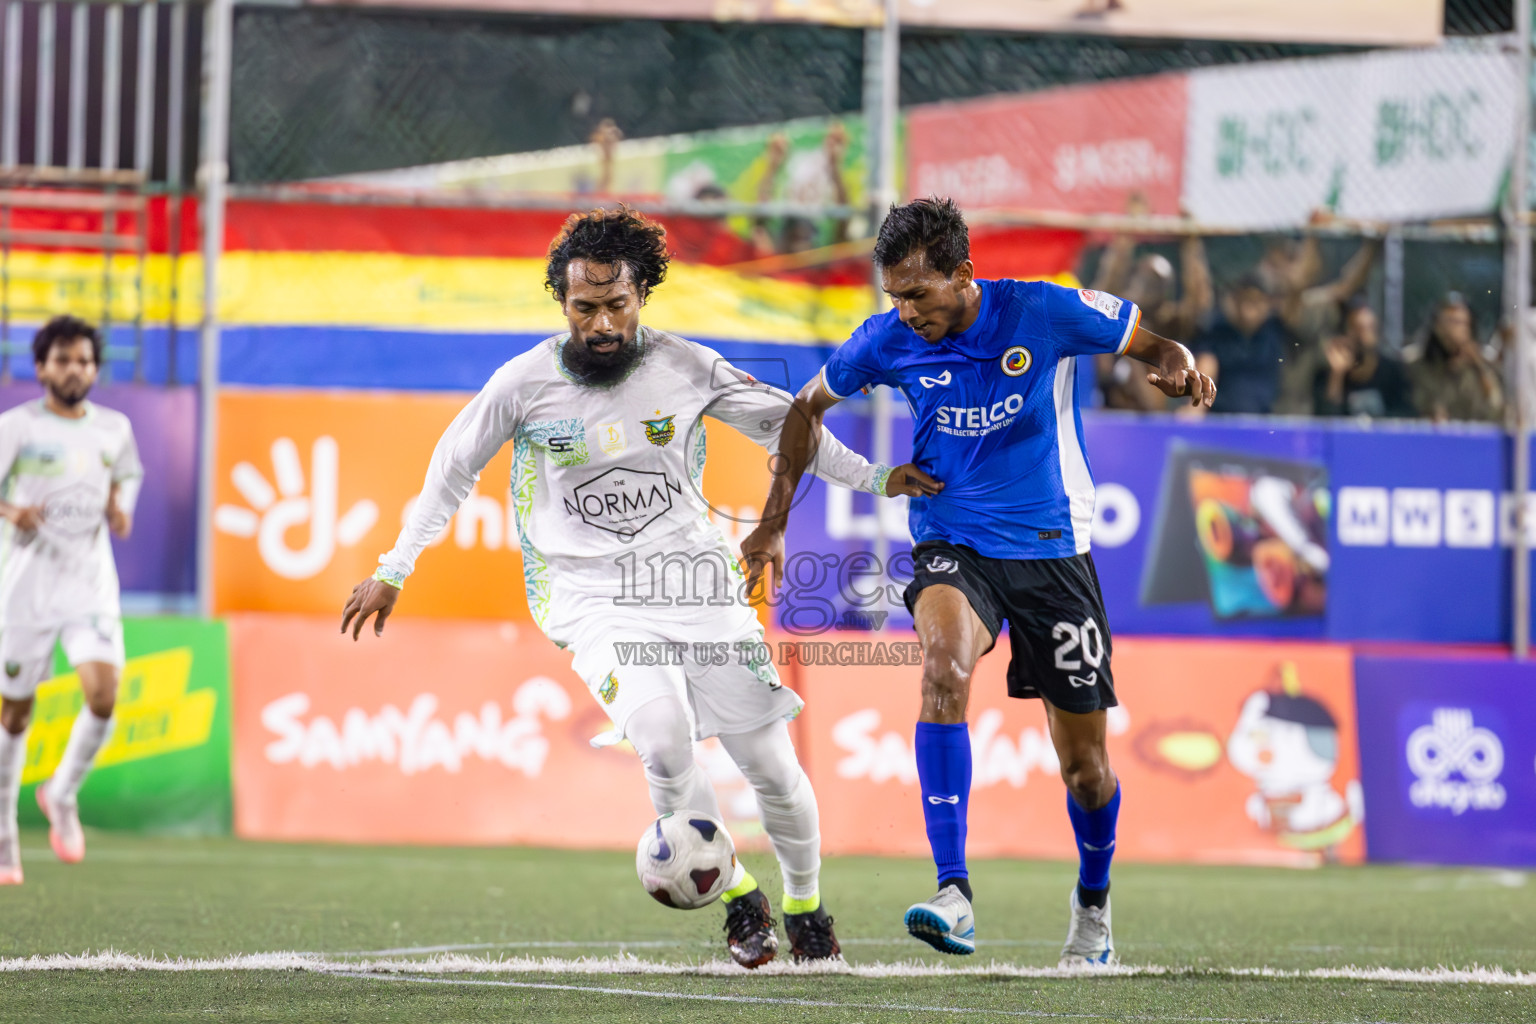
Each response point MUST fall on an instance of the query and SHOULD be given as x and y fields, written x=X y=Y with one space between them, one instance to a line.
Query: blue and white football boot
x=1090 y=946
x=944 y=921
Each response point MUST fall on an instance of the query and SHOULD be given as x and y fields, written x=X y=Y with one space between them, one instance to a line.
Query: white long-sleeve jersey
x=63 y=570
x=607 y=481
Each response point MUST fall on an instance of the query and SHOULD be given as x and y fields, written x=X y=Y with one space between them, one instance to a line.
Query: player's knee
x=776 y=780
x=1088 y=778
x=659 y=733
x=14 y=716
x=102 y=702
x=945 y=676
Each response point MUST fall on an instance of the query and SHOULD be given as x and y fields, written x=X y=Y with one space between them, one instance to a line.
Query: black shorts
x=1056 y=624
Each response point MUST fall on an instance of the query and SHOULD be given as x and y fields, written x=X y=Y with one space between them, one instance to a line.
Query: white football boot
x=10 y=857
x=944 y=921
x=64 y=832
x=1090 y=946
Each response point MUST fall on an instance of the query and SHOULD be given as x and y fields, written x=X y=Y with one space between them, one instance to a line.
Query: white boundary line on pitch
x=830 y=1004
x=621 y=944
x=450 y=964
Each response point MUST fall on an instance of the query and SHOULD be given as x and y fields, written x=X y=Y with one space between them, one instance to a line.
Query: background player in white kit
x=608 y=454
x=70 y=472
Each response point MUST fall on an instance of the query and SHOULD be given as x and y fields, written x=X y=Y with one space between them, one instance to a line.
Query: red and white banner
x=1083 y=149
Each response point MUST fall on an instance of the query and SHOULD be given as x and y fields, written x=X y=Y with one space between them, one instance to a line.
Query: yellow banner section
x=155 y=714
x=390 y=290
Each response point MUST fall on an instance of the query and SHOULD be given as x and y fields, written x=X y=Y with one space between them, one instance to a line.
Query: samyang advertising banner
x=1448 y=756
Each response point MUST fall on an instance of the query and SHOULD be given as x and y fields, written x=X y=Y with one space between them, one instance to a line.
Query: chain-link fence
x=1319 y=176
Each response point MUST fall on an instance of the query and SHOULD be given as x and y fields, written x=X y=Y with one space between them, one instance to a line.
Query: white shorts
x=26 y=651
x=728 y=685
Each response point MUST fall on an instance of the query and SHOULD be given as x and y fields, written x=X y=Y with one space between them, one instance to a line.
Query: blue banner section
x=394 y=360
x=1448 y=759
x=1238 y=527
x=159 y=558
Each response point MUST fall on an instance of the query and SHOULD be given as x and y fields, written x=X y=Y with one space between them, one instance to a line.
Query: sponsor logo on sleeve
x=1101 y=301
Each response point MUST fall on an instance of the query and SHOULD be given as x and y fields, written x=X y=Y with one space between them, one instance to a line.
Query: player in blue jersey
x=989 y=370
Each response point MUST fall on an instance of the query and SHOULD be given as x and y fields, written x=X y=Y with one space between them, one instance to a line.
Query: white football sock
x=788 y=804
x=659 y=733
x=86 y=737
x=13 y=757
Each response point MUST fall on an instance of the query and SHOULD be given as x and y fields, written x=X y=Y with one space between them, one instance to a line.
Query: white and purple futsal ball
x=685 y=859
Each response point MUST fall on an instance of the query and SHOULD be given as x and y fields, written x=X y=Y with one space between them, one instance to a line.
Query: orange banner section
x=458 y=733
x=479 y=733
x=312 y=486
x=1230 y=752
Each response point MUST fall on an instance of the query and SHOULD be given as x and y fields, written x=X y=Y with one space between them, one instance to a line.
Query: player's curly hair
x=617 y=235
x=933 y=225
x=63 y=329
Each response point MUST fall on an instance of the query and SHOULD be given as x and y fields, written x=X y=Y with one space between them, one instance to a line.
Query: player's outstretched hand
x=118 y=521
x=911 y=481
x=24 y=517
x=1184 y=382
x=368 y=597
x=762 y=551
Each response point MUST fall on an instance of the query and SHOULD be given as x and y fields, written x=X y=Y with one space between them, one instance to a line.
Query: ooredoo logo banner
x=1449 y=748
x=1229 y=752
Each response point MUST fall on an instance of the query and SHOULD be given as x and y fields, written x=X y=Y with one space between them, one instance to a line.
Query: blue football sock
x=944 y=773
x=1095 y=831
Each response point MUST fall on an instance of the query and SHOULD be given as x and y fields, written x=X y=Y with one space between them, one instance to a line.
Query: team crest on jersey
x=13 y=669
x=659 y=432
x=610 y=437
x=1016 y=361
x=609 y=691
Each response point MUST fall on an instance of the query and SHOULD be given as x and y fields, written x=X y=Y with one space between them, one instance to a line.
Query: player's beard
x=68 y=394
x=600 y=369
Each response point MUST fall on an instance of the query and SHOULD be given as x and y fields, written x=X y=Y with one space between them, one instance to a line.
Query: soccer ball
x=685 y=860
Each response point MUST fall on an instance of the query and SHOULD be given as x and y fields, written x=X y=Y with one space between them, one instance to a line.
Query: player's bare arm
x=119 y=520
x=1176 y=375
x=23 y=517
x=764 y=546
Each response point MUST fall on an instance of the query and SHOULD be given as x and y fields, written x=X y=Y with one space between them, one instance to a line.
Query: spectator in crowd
x=812 y=178
x=606 y=138
x=1150 y=282
x=1242 y=349
x=1359 y=378
x=1310 y=311
x=1453 y=378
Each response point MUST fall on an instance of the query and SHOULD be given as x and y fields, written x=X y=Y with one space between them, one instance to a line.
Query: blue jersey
x=995 y=413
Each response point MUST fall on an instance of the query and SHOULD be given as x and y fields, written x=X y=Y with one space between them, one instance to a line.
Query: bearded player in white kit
x=70 y=472
x=608 y=453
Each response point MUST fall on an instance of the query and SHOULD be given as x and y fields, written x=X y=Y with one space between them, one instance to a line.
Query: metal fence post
x=213 y=175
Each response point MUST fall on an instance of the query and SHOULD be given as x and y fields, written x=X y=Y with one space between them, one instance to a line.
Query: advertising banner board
x=1448 y=756
x=166 y=767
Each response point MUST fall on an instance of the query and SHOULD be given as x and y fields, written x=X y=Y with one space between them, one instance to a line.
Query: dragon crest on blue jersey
x=1003 y=430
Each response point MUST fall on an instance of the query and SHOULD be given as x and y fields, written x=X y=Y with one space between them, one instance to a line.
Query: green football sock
x=746 y=885
x=808 y=905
